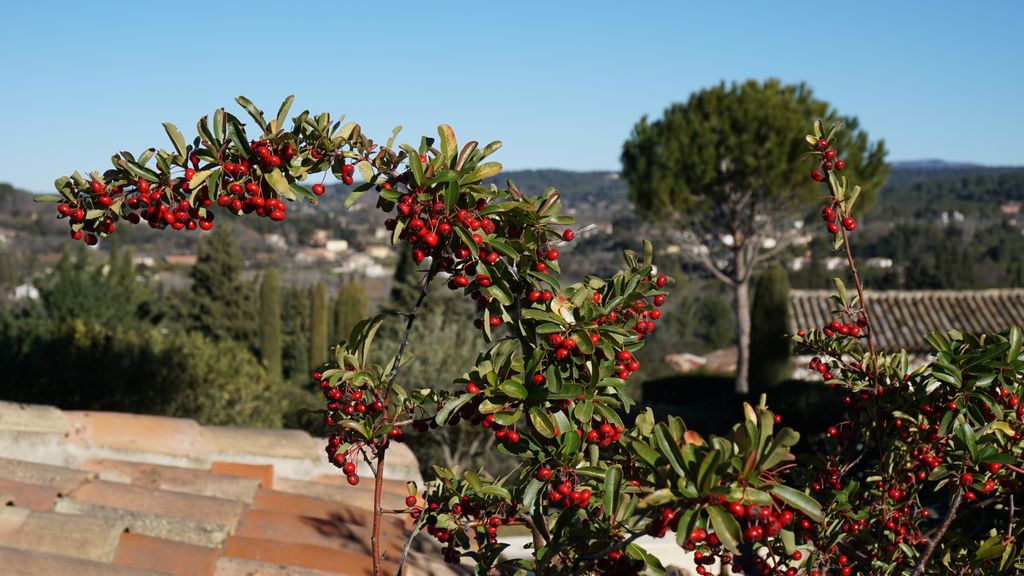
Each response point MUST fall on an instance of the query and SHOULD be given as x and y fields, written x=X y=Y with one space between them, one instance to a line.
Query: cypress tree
x=318 y=326
x=295 y=333
x=769 y=347
x=220 y=304
x=270 y=323
x=349 y=308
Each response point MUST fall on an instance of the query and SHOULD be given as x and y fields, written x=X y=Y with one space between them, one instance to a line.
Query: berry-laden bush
x=920 y=477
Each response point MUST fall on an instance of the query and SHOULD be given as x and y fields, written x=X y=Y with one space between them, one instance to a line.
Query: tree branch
x=950 y=515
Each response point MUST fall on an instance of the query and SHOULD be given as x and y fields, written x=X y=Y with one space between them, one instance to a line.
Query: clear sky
x=561 y=83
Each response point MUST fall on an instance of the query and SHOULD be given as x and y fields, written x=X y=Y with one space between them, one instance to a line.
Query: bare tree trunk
x=741 y=293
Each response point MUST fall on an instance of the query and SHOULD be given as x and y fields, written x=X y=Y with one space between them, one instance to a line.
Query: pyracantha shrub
x=923 y=475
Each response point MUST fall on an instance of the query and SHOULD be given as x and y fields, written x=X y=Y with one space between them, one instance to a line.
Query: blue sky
x=561 y=83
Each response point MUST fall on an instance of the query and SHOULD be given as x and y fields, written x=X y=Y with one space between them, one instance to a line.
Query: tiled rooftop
x=903 y=317
x=101 y=493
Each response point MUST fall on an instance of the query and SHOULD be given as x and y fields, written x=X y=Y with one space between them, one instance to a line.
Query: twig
x=378 y=486
x=381 y=449
x=950 y=515
x=408 y=543
x=860 y=295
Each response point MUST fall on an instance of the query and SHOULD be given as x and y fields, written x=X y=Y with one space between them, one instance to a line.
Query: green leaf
x=612 y=489
x=669 y=449
x=449 y=146
x=253 y=111
x=841 y=290
x=726 y=528
x=542 y=421
x=279 y=183
x=532 y=490
x=175 y=135
x=282 y=113
x=482 y=172
x=353 y=197
x=450 y=407
x=799 y=501
x=365 y=170
x=199 y=178
x=514 y=389
x=1015 y=341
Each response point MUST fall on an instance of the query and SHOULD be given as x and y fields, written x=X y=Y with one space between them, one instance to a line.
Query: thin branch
x=950 y=515
x=378 y=487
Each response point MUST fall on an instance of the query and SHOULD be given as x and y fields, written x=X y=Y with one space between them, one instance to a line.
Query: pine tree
x=270 y=323
x=349 y=308
x=318 y=326
x=769 y=347
x=220 y=304
x=724 y=164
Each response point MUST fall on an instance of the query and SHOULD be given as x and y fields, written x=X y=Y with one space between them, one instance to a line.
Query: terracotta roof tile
x=24 y=495
x=76 y=536
x=264 y=473
x=183 y=530
x=355 y=496
x=301 y=555
x=16 y=417
x=903 y=317
x=28 y=563
x=313 y=507
x=175 y=558
x=64 y=480
x=134 y=495
x=259 y=442
x=152 y=501
x=136 y=432
x=241 y=567
x=175 y=479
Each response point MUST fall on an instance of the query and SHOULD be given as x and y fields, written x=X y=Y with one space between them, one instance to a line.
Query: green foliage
x=295 y=329
x=225 y=384
x=220 y=305
x=349 y=308
x=270 y=323
x=770 y=362
x=67 y=293
x=318 y=326
x=81 y=365
x=924 y=194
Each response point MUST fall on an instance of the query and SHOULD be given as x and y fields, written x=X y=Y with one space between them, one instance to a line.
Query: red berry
x=318 y=189
x=472 y=388
x=568 y=235
x=832 y=228
x=849 y=223
x=349 y=468
x=352 y=479
x=410 y=501
x=822 y=143
x=816 y=176
x=543 y=474
x=827 y=214
x=840 y=164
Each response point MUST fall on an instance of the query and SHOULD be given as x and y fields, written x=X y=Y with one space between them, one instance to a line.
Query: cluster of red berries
x=663 y=522
x=828 y=160
x=565 y=490
x=253 y=197
x=820 y=367
x=170 y=204
x=602 y=434
x=461 y=510
x=828 y=214
x=343 y=402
